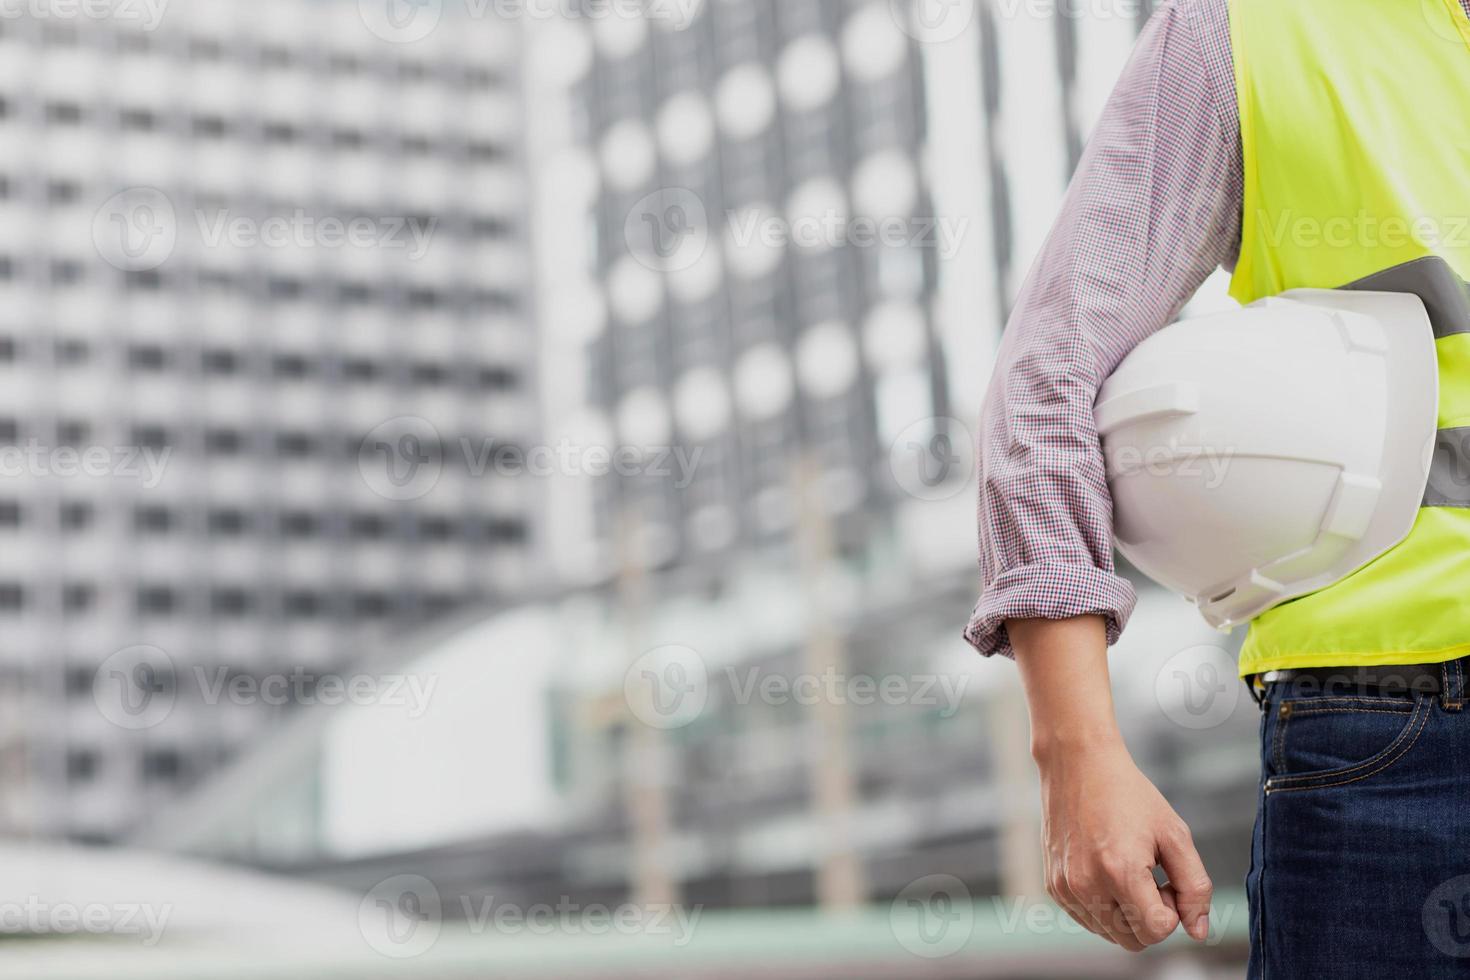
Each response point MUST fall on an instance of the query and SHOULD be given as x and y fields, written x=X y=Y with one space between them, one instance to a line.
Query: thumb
x=1188 y=880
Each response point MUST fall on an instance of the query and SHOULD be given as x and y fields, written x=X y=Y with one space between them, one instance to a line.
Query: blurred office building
x=761 y=359
x=728 y=309
x=265 y=309
x=793 y=393
x=811 y=218
x=758 y=296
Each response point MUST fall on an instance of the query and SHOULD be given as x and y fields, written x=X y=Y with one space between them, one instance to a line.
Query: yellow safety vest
x=1356 y=143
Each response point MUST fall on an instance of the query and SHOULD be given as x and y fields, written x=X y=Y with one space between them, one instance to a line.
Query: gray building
x=743 y=156
x=265 y=308
x=706 y=286
x=814 y=361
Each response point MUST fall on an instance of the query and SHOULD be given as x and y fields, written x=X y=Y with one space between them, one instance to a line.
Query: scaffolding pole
x=645 y=758
x=841 y=879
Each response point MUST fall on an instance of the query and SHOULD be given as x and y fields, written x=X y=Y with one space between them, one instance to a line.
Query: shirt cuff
x=1048 y=591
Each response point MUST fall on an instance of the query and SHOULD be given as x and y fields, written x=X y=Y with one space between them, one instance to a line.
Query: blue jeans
x=1360 y=859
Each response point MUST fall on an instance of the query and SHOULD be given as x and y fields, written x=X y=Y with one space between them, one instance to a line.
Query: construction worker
x=1301 y=144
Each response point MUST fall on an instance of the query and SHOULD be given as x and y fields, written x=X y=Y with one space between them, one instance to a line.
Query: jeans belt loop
x=1453 y=696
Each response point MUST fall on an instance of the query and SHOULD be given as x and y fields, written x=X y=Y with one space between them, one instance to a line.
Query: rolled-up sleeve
x=1153 y=209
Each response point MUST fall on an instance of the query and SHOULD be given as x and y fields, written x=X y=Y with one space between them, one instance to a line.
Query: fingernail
x=1203 y=925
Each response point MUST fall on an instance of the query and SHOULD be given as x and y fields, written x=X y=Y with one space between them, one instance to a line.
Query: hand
x=1105 y=827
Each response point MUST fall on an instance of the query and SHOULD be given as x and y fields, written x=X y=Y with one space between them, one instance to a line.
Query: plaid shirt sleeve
x=1153 y=209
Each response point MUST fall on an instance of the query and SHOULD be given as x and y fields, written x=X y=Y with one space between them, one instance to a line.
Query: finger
x=1062 y=894
x=1116 y=922
x=1136 y=892
x=1104 y=912
x=1191 y=883
x=1087 y=920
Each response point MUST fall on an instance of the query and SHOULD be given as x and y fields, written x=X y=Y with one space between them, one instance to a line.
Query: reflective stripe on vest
x=1355 y=146
x=1449 y=473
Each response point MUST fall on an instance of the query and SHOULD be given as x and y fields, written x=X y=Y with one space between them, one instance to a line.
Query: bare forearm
x=1105 y=825
x=1064 y=669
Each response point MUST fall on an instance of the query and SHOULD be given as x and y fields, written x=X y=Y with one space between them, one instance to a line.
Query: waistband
x=1446 y=680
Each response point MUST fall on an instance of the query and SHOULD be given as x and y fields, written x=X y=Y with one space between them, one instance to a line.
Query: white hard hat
x=1258 y=455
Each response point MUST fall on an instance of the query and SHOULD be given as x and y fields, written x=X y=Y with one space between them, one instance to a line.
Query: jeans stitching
x=1258 y=954
x=1347 y=710
x=1454 y=698
x=1278 y=742
x=1384 y=759
x=1311 y=703
x=1278 y=747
